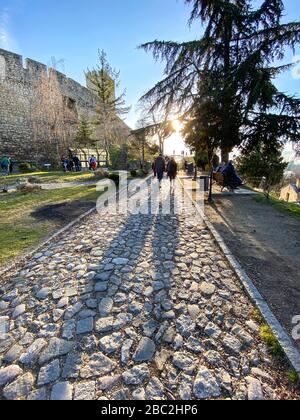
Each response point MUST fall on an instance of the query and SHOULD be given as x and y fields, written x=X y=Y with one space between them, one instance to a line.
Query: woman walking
x=5 y=163
x=159 y=168
x=172 y=171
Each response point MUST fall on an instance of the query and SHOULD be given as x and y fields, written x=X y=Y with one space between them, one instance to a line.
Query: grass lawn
x=288 y=208
x=53 y=177
x=26 y=219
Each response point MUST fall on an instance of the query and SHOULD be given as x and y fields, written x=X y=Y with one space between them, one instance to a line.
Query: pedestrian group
x=164 y=165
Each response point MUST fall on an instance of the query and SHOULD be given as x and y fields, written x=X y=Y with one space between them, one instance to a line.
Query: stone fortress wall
x=18 y=91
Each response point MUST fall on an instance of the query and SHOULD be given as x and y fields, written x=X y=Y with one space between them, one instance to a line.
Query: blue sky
x=73 y=30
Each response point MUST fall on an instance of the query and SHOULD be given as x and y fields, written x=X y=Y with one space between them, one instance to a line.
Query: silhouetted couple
x=160 y=167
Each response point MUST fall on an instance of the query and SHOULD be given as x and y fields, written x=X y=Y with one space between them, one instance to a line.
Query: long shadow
x=140 y=281
x=142 y=288
x=274 y=274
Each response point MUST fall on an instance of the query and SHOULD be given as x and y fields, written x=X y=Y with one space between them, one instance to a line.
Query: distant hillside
x=294 y=167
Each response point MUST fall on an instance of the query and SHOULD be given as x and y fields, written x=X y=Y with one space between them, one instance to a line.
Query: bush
x=100 y=174
x=140 y=173
x=26 y=168
x=262 y=167
x=115 y=178
x=133 y=174
x=34 y=180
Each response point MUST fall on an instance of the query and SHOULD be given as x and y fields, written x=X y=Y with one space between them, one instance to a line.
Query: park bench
x=221 y=181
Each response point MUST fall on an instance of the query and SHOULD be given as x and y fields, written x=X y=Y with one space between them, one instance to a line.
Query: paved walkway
x=131 y=307
x=58 y=185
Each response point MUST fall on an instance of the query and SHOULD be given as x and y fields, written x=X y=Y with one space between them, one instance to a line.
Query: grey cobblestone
x=148 y=309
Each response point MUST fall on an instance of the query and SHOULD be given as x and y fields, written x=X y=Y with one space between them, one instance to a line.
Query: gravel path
x=58 y=185
x=266 y=242
x=135 y=307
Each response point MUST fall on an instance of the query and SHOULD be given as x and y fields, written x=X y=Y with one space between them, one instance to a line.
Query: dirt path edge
x=291 y=352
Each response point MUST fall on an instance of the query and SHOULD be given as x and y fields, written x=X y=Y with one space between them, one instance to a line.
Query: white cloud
x=6 y=39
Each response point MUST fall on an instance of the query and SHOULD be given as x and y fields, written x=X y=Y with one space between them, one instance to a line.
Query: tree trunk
x=211 y=184
x=225 y=155
x=107 y=156
x=161 y=145
x=211 y=158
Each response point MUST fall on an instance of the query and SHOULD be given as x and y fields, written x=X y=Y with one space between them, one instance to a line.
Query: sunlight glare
x=177 y=125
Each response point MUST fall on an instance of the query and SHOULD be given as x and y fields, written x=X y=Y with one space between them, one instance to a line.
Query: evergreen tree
x=84 y=139
x=231 y=68
x=262 y=167
x=103 y=81
x=84 y=134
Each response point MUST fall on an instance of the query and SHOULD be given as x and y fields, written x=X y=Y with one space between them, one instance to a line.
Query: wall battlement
x=22 y=101
x=12 y=68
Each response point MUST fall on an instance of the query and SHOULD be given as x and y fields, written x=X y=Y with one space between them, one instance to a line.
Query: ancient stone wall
x=21 y=107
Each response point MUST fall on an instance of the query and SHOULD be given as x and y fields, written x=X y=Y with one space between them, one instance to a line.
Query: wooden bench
x=221 y=181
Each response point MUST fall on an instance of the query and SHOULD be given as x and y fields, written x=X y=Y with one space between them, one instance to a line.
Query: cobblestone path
x=136 y=307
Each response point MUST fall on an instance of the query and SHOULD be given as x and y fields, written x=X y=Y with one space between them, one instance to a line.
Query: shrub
x=25 y=168
x=100 y=174
x=262 y=168
x=142 y=172
x=34 y=180
x=133 y=173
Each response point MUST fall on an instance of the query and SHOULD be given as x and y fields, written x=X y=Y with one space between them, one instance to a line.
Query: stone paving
x=131 y=307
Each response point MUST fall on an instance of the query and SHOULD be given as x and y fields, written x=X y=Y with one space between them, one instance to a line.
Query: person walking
x=64 y=162
x=5 y=163
x=70 y=165
x=153 y=169
x=159 y=168
x=172 y=171
x=93 y=163
x=77 y=163
x=11 y=166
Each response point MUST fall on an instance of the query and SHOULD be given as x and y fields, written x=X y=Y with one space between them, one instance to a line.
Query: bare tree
x=54 y=118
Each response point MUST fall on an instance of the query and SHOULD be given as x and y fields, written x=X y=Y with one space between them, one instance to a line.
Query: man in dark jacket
x=159 y=168
x=77 y=163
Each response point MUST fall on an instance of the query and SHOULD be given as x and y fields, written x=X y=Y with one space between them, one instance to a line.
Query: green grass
x=269 y=338
x=293 y=377
x=287 y=208
x=19 y=229
x=256 y=314
x=52 y=177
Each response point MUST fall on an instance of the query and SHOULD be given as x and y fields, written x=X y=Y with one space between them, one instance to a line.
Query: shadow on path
x=267 y=244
